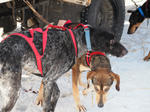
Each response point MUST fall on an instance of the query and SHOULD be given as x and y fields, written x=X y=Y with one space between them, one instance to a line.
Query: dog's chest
x=29 y=63
x=84 y=68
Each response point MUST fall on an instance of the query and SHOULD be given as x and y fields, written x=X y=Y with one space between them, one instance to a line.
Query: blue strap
x=87 y=38
x=141 y=11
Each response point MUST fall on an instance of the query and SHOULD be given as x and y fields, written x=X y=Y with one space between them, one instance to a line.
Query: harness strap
x=89 y=56
x=87 y=38
x=44 y=36
x=87 y=35
x=38 y=56
x=141 y=12
x=84 y=26
x=74 y=41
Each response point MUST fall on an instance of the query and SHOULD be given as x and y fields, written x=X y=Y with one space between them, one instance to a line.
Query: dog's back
x=100 y=61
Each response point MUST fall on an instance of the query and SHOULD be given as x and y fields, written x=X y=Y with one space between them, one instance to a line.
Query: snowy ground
x=134 y=74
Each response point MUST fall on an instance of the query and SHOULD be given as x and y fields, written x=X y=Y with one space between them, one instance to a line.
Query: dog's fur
x=101 y=75
x=16 y=55
x=136 y=18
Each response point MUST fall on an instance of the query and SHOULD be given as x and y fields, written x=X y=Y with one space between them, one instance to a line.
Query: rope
x=35 y=12
x=13 y=10
x=135 y=3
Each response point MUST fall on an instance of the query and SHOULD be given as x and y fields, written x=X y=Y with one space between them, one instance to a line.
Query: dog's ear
x=89 y=77
x=130 y=11
x=117 y=78
x=90 y=74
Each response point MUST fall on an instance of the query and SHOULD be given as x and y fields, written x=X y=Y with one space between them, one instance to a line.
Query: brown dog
x=99 y=73
x=146 y=58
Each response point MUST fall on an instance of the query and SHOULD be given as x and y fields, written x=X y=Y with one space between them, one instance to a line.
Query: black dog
x=138 y=16
x=59 y=56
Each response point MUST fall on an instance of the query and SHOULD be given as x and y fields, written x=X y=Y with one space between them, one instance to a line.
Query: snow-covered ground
x=134 y=95
x=130 y=2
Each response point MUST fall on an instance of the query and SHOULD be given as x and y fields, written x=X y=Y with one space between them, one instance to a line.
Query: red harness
x=89 y=56
x=30 y=41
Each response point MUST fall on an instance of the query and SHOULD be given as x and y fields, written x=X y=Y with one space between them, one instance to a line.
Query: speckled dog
x=16 y=55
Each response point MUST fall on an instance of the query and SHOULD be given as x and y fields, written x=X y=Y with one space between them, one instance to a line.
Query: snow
x=134 y=95
x=130 y=3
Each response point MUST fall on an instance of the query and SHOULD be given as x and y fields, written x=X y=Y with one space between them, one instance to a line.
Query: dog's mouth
x=100 y=103
x=101 y=97
x=119 y=53
x=124 y=52
x=133 y=28
x=131 y=31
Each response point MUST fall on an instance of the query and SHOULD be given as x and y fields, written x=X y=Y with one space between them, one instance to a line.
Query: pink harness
x=30 y=41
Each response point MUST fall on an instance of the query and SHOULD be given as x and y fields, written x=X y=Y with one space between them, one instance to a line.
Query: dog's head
x=135 y=20
x=105 y=42
x=102 y=81
x=116 y=48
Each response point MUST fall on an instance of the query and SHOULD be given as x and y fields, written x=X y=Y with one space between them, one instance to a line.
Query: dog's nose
x=124 y=52
x=129 y=32
x=100 y=105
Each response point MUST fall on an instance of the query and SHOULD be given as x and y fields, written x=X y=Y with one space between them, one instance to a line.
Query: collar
x=89 y=56
x=141 y=12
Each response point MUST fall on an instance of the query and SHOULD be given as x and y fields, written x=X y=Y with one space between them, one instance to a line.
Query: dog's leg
x=75 y=78
x=10 y=84
x=146 y=58
x=51 y=95
x=117 y=78
x=39 y=100
x=81 y=83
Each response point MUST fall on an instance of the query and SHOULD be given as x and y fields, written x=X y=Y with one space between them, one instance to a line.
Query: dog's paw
x=146 y=58
x=117 y=88
x=39 y=101
x=81 y=108
x=85 y=92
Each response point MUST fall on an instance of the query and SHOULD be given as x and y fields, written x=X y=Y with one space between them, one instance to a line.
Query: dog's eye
x=96 y=89
x=106 y=89
x=94 y=81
